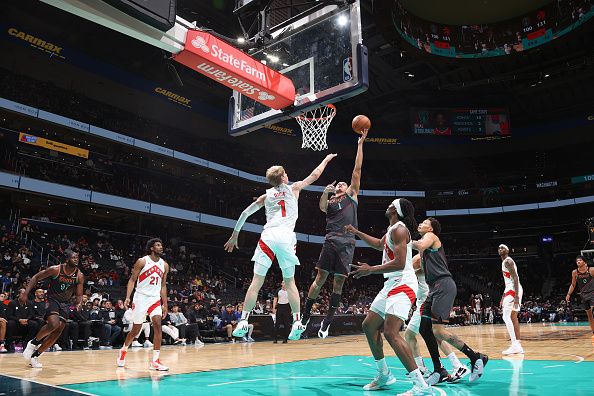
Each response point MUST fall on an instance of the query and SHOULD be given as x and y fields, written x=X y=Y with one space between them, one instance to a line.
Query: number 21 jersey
x=151 y=277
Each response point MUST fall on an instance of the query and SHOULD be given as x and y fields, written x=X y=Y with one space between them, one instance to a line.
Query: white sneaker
x=241 y=329
x=29 y=350
x=136 y=344
x=147 y=344
x=3 y=349
x=197 y=342
x=380 y=381
x=425 y=372
x=121 y=361
x=513 y=349
x=322 y=333
x=57 y=348
x=250 y=339
x=296 y=330
x=35 y=362
x=478 y=367
x=244 y=339
x=156 y=365
x=458 y=373
x=418 y=390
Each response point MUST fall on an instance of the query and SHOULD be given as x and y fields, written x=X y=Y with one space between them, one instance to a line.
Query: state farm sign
x=226 y=64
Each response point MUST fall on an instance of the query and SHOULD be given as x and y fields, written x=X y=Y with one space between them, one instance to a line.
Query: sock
x=334 y=303
x=156 y=355
x=509 y=324
x=124 y=348
x=245 y=315
x=454 y=360
x=36 y=354
x=472 y=355
x=296 y=316
x=382 y=366
x=35 y=341
x=417 y=378
x=309 y=302
x=426 y=330
x=419 y=361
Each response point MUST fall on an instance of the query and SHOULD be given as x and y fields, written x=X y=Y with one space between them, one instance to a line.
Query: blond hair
x=274 y=175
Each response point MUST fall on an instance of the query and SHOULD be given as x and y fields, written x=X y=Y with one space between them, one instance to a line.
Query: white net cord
x=314 y=126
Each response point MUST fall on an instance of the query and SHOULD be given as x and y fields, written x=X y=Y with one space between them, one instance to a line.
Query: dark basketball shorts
x=440 y=300
x=56 y=307
x=588 y=300
x=337 y=255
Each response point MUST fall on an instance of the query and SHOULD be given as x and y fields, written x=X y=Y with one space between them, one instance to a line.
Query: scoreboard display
x=461 y=121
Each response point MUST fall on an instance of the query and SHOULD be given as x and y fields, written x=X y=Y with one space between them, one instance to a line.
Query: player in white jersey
x=392 y=305
x=277 y=240
x=511 y=300
x=412 y=330
x=149 y=276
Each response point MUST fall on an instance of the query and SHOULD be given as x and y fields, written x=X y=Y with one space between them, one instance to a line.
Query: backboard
x=322 y=53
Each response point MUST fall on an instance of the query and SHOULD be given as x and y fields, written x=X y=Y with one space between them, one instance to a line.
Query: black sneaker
x=437 y=377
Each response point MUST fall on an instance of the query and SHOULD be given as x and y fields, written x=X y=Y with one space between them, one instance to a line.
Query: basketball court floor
x=559 y=359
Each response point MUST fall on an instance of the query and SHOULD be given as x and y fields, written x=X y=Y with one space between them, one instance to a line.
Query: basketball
x=360 y=123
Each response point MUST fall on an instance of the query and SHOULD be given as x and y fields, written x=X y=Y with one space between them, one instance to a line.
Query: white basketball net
x=314 y=125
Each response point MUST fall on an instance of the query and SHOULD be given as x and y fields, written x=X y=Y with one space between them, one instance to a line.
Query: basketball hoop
x=314 y=125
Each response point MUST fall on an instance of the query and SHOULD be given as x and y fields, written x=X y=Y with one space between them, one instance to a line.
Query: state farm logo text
x=245 y=87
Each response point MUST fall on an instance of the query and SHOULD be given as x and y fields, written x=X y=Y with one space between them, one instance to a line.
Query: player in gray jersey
x=339 y=246
x=439 y=303
x=583 y=278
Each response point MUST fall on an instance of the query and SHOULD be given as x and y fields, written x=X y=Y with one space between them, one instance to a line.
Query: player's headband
x=396 y=204
x=504 y=246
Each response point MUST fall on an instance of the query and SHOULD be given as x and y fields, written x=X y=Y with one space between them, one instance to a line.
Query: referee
x=282 y=310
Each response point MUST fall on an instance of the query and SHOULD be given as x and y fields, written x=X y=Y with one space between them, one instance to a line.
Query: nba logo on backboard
x=347 y=69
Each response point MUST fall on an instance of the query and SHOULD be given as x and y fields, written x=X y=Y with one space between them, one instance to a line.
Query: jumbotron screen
x=461 y=121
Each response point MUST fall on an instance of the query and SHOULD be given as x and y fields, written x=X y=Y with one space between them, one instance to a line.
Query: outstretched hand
x=231 y=244
x=363 y=136
x=330 y=188
x=330 y=157
x=350 y=229
x=361 y=270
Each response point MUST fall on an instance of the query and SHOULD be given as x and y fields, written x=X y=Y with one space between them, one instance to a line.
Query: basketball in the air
x=360 y=123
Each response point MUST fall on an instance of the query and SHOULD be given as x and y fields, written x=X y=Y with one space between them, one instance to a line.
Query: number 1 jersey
x=281 y=207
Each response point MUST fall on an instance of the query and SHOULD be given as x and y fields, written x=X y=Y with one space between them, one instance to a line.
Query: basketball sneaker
x=147 y=344
x=156 y=365
x=516 y=347
x=296 y=330
x=29 y=350
x=459 y=373
x=477 y=367
x=323 y=333
x=380 y=381
x=437 y=377
x=3 y=349
x=35 y=363
x=136 y=344
x=241 y=329
x=418 y=390
x=121 y=358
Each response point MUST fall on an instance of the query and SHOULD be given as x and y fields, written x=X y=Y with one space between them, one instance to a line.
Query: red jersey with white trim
x=407 y=274
x=281 y=207
x=151 y=277
x=507 y=278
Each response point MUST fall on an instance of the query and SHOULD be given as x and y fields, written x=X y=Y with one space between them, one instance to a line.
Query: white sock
x=156 y=355
x=382 y=366
x=454 y=360
x=417 y=378
x=296 y=316
x=509 y=324
x=419 y=361
x=245 y=315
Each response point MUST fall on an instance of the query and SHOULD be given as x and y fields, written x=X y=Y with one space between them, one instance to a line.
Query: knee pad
x=260 y=269
x=288 y=272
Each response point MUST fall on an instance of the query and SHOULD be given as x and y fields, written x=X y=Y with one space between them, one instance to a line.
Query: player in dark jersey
x=583 y=277
x=439 y=303
x=65 y=281
x=339 y=246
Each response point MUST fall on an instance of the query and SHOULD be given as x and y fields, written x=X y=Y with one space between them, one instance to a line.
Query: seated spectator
x=172 y=331
x=127 y=320
x=111 y=330
x=19 y=321
x=3 y=323
x=179 y=320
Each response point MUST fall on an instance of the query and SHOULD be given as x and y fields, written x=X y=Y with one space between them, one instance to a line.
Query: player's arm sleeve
x=247 y=212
